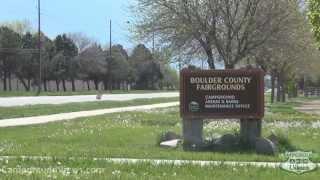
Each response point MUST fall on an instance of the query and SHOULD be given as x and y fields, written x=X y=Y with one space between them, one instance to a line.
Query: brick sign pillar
x=221 y=94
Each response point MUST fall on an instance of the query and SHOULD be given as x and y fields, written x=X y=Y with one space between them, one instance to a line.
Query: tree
x=81 y=40
x=24 y=61
x=147 y=70
x=10 y=41
x=117 y=67
x=287 y=55
x=28 y=61
x=230 y=29
x=92 y=64
x=314 y=17
x=170 y=78
x=65 y=60
x=48 y=52
x=20 y=27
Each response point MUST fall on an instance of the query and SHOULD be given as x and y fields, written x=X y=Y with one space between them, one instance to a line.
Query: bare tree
x=81 y=40
x=19 y=26
x=227 y=29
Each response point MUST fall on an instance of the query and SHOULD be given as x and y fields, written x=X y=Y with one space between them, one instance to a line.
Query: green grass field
x=286 y=112
x=160 y=172
x=134 y=135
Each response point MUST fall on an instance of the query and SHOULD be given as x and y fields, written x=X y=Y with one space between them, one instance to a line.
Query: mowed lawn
x=160 y=172
x=135 y=135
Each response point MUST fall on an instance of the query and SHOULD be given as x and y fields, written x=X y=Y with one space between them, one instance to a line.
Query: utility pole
x=110 y=54
x=39 y=47
x=153 y=36
x=110 y=45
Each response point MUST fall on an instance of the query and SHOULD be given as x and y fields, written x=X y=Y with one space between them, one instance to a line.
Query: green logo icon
x=194 y=106
x=298 y=162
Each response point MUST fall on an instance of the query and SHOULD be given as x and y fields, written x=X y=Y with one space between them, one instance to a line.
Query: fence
x=311 y=91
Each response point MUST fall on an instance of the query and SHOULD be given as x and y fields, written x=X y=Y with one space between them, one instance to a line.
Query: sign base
x=192 y=133
x=250 y=130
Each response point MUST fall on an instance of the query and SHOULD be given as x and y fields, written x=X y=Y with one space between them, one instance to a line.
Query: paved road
x=311 y=107
x=73 y=115
x=22 y=101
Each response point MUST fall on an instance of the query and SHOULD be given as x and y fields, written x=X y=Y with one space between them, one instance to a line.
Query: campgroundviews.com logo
x=298 y=162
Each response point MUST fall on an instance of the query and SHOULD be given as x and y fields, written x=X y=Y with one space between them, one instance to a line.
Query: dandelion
x=246 y=170
x=116 y=173
x=132 y=173
x=234 y=169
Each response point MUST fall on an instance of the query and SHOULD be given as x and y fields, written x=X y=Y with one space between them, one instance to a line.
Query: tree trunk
x=17 y=83
x=272 y=87
x=29 y=83
x=64 y=85
x=5 y=81
x=281 y=89
x=96 y=84
x=301 y=84
x=105 y=85
x=295 y=91
x=278 y=88
x=73 y=85
x=9 y=81
x=210 y=59
x=110 y=85
x=283 y=92
x=25 y=85
x=45 y=87
x=88 y=85
x=57 y=85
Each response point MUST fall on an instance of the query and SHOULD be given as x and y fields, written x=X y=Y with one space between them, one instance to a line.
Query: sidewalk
x=310 y=107
x=153 y=161
x=22 y=101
